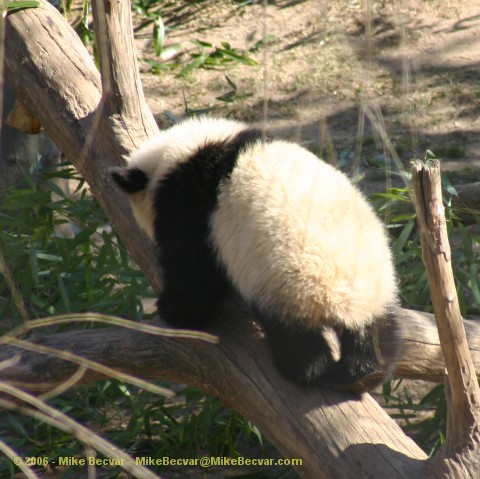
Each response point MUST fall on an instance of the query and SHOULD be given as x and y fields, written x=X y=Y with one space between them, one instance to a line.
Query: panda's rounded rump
x=295 y=235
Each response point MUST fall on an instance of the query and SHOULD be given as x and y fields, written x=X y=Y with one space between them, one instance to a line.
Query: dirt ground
x=339 y=77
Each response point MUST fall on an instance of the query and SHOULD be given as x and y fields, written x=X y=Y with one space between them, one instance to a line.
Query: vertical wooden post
x=463 y=393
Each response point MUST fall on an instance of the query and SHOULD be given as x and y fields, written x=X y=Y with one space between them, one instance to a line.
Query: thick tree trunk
x=421 y=357
x=312 y=425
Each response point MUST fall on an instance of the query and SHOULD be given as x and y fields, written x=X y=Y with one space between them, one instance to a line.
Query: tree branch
x=421 y=357
x=313 y=425
x=58 y=81
x=461 y=456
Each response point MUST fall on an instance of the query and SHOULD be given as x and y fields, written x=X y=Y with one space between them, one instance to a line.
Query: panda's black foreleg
x=194 y=289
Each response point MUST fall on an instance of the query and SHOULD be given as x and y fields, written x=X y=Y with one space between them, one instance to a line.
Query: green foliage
x=84 y=27
x=408 y=253
x=231 y=94
x=64 y=254
x=144 y=7
x=152 y=11
x=165 y=16
x=424 y=419
x=208 y=426
x=405 y=245
x=215 y=57
x=205 y=55
x=139 y=422
x=19 y=5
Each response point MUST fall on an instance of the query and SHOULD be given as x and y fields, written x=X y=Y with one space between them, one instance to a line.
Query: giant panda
x=232 y=211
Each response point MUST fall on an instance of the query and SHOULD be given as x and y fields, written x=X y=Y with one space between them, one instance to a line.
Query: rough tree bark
x=421 y=357
x=336 y=435
x=460 y=457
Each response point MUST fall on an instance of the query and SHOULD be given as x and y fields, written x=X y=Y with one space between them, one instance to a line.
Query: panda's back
x=299 y=239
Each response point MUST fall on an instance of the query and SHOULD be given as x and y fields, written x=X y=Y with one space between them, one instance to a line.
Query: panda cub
x=230 y=210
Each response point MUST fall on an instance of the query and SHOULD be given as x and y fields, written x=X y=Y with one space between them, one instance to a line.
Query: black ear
x=130 y=180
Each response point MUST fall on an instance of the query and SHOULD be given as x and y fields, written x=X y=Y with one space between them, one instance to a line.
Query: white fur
x=296 y=235
x=165 y=151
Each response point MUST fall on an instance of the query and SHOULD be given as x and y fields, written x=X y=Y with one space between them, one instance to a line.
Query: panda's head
x=164 y=153
x=135 y=182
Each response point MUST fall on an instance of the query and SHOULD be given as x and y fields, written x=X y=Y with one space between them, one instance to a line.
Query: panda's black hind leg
x=367 y=357
x=302 y=356
x=360 y=367
x=334 y=357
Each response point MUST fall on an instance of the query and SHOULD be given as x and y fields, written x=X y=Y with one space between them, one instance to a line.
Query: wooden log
x=461 y=455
